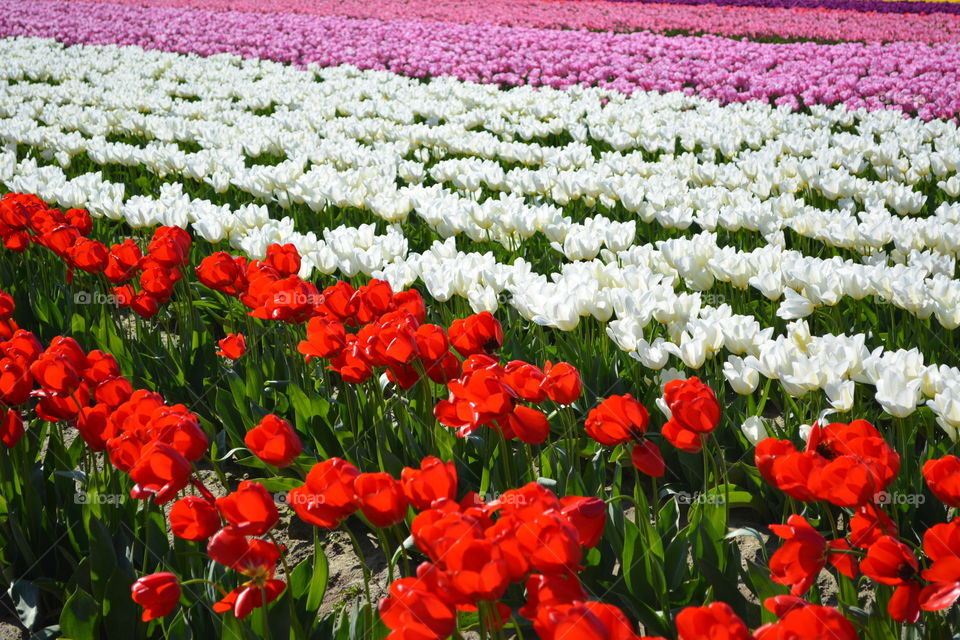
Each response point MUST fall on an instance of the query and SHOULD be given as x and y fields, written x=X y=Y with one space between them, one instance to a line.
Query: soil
x=11 y=631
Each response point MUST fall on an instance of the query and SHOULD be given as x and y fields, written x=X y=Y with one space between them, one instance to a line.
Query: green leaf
x=47 y=633
x=103 y=559
x=80 y=616
x=178 y=629
x=318 y=584
x=26 y=600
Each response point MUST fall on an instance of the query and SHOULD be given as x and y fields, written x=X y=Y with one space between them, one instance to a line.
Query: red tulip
x=682 y=438
x=256 y=559
x=326 y=338
x=177 y=427
x=56 y=373
x=341 y=302
x=891 y=562
x=940 y=543
x=233 y=346
x=328 y=496
x=274 y=441
x=411 y=301
x=804 y=554
x=432 y=342
x=479 y=333
x=222 y=272
x=810 y=621
x=193 y=518
x=373 y=300
x=432 y=481
x=113 y=391
x=527 y=425
x=15 y=382
x=417 y=609
x=7 y=306
x=60 y=239
x=250 y=509
x=526 y=380
x=692 y=404
x=616 y=420
x=247 y=597
x=92 y=423
x=550 y=542
x=11 y=428
x=157 y=593
x=351 y=363
x=476 y=569
x=943 y=478
x=284 y=258
x=716 y=620
x=159 y=282
x=80 y=219
x=588 y=516
x=562 y=382
x=593 y=620
x=22 y=346
x=123 y=261
x=145 y=305
x=161 y=472
x=89 y=255
x=170 y=246
x=544 y=591
x=381 y=498
x=647 y=458
x=868 y=524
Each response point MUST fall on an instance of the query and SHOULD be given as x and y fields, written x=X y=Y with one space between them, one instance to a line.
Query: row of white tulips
x=355 y=160
x=924 y=286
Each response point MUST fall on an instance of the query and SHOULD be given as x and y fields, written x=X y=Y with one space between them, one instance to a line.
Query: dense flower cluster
x=854 y=74
x=789 y=19
x=25 y=219
x=248 y=512
x=847 y=465
x=153 y=442
x=797 y=619
x=850 y=466
x=693 y=412
x=488 y=393
x=392 y=334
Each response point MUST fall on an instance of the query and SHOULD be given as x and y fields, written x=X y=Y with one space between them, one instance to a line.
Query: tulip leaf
x=26 y=600
x=80 y=617
x=103 y=559
x=318 y=583
x=47 y=633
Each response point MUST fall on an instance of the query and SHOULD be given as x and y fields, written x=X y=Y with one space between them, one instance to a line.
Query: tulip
x=382 y=499
x=157 y=593
x=193 y=518
x=274 y=441
x=233 y=346
x=250 y=509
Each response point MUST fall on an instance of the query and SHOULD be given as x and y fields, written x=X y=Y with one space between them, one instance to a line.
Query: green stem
x=366 y=574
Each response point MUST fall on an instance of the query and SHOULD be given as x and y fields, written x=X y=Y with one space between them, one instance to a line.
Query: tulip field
x=558 y=319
